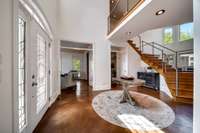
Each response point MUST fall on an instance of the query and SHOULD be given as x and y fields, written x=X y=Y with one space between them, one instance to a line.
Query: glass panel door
x=41 y=73
x=39 y=64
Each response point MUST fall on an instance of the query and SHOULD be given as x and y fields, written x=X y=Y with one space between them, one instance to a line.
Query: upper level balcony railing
x=120 y=11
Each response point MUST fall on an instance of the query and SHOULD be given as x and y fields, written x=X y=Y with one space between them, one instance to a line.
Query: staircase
x=179 y=83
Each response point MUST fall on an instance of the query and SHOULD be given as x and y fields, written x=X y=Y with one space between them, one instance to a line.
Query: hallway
x=73 y=113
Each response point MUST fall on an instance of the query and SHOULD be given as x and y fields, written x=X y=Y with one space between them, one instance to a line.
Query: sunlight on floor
x=78 y=88
x=139 y=124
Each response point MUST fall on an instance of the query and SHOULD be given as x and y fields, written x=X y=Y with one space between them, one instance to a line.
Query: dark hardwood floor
x=73 y=113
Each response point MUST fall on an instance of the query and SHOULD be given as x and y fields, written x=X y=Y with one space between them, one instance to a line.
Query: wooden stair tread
x=186 y=97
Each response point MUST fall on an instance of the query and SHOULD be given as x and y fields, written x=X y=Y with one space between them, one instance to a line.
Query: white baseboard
x=54 y=97
x=102 y=87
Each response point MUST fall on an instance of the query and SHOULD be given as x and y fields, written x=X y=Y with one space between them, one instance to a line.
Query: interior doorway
x=115 y=63
x=76 y=64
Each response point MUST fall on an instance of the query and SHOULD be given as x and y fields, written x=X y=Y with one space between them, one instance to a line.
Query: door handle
x=34 y=84
x=33 y=76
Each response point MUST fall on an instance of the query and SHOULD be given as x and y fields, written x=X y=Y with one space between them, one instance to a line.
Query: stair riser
x=184 y=94
x=184 y=100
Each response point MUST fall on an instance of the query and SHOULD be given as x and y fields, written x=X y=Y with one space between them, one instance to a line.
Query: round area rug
x=149 y=114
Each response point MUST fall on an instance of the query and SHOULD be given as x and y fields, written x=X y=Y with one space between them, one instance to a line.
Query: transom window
x=186 y=31
x=168 y=35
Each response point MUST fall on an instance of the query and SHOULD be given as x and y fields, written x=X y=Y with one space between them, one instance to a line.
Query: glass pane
x=186 y=60
x=76 y=64
x=41 y=73
x=186 y=31
x=168 y=35
x=21 y=74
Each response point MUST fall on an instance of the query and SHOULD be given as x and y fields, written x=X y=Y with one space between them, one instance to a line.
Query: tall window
x=21 y=73
x=41 y=73
x=168 y=35
x=186 y=32
x=76 y=64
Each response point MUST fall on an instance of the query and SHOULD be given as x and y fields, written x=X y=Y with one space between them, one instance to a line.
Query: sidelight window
x=21 y=74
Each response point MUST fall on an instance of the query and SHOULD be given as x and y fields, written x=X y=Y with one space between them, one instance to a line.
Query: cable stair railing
x=161 y=54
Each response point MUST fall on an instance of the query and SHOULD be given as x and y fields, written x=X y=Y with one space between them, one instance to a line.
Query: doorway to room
x=76 y=65
x=115 y=63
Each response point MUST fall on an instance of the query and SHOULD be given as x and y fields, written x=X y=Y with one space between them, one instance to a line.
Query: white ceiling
x=177 y=12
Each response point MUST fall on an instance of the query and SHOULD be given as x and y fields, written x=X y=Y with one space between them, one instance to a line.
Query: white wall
x=130 y=62
x=49 y=9
x=196 y=118
x=124 y=61
x=91 y=68
x=6 y=32
x=134 y=62
x=66 y=62
x=84 y=66
x=56 y=70
x=87 y=22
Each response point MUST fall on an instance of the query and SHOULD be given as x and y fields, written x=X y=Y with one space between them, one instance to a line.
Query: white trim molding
x=37 y=14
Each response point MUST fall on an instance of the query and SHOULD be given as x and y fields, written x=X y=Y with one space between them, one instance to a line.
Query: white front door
x=33 y=78
x=39 y=70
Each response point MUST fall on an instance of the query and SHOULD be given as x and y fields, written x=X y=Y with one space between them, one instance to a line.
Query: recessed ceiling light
x=112 y=1
x=160 y=12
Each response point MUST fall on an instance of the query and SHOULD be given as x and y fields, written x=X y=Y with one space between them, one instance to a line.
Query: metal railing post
x=127 y=5
x=153 y=48
x=166 y=63
x=142 y=47
x=177 y=78
x=140 y=42
x=163 y=60
x=108 y=24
